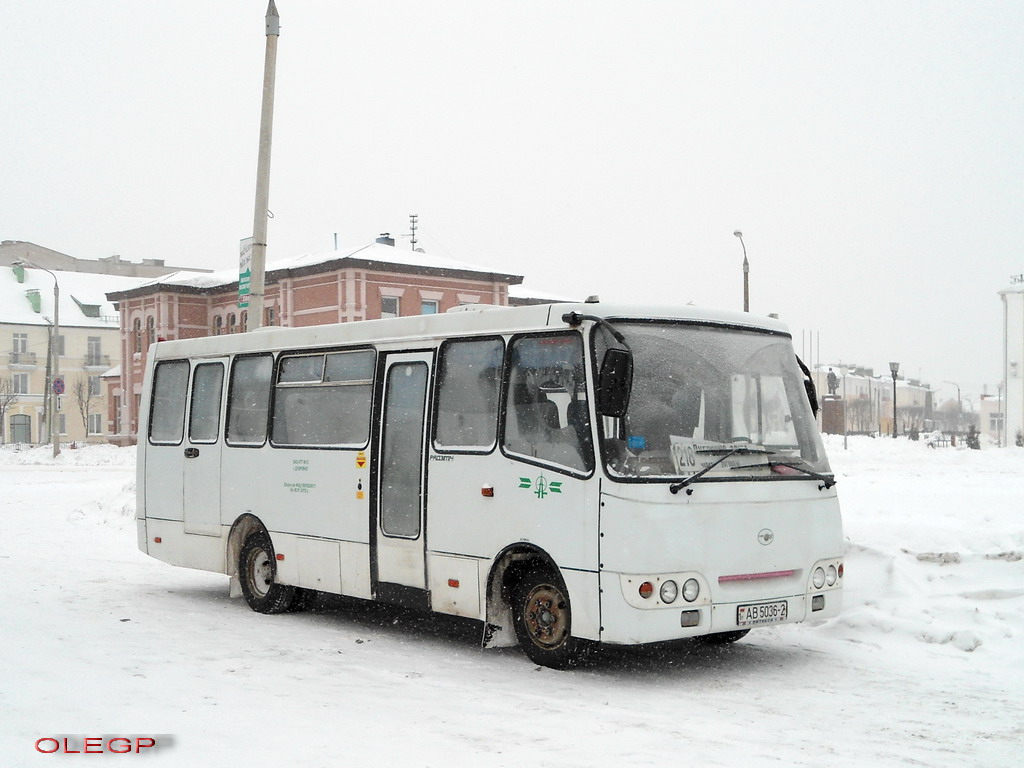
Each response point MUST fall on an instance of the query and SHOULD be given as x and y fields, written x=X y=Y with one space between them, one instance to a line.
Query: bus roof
x=473 y=320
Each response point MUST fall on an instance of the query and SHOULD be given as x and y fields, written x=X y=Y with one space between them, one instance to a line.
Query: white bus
x=566 y=474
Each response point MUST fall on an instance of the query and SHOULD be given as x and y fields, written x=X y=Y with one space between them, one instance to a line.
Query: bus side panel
x=205 y=553
x=554 y=512
x=319 y=565
x=455 y=585
x=355 y=569
x=336 y=567
x=310 y=502
x=301 y=491
x=585 y=596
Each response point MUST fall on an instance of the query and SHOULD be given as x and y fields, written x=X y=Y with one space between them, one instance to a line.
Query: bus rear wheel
x=542 y=616
x=256 y=572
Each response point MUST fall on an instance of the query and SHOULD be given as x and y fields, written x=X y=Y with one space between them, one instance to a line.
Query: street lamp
x=959 y=406
x=746 y=274
x=895 y=368
x=842 y=372
x=54 y=429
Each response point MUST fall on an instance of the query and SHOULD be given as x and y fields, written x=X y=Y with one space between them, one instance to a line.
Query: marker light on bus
x=669 y=591
x=819 y=578
x=691 y=589
x=646 y=590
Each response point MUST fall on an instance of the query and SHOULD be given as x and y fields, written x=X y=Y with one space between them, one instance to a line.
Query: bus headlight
x=669 y=591
x=819 y=578
x=690 y=590
x=831 y=575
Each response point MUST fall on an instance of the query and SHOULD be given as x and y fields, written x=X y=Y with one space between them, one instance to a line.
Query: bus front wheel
x=256 y=572
x=543 y=620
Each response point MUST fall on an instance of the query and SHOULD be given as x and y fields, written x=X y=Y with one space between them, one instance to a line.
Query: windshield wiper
x=676 y=487
x=828 y=480
x=733 y=449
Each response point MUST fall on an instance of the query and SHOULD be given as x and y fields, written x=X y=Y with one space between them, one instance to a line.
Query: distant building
x=88 y=345
x=371 y=282
x=17 y=250
x=863 y=402
x=1012 y=386
x=990 y=415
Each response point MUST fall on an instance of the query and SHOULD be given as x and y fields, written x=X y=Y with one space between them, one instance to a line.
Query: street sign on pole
x=244 y=271
x=58 y=385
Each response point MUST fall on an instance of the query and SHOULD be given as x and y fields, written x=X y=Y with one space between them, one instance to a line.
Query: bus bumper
x=625 y=624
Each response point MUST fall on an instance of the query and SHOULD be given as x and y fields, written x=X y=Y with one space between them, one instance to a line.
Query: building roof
x=83 y=302
x=1016 y=285
x=521 y=294
x=16 y=250
x=378 y=256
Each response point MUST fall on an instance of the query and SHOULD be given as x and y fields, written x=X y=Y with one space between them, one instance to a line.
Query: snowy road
x=924 y=667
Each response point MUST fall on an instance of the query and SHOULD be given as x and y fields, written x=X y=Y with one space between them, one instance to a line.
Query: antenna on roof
x=412 y=226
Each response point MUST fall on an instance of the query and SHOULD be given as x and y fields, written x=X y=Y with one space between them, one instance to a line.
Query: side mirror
x=615 y=383
x=809 y=388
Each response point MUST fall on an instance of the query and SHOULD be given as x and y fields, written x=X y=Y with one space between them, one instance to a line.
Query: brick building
x=371 y=282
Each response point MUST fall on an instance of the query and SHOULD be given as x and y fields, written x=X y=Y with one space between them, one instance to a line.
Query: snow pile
x=924 y=667
x=92 y=455
x=935 y=545
x=115 y=510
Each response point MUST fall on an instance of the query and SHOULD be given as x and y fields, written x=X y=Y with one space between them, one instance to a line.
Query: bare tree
x=84 y=399
x=860 y=414
x=7 y=398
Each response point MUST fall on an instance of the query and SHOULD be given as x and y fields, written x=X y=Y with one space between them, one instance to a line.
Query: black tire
x=722 y=638
x=542 y=615
x=304 y=598
x=257 y=570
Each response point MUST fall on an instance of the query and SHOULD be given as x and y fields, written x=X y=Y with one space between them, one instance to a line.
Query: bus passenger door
x=399 y=574
x=202 y=449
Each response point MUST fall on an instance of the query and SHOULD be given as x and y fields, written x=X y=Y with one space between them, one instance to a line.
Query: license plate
x=761 y=613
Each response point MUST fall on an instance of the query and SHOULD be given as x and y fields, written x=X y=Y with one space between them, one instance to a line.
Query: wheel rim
x=261 y=575
x=546 y=616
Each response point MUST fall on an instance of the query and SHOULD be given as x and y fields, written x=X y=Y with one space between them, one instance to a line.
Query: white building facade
x=1013 y=362
x=87 y=347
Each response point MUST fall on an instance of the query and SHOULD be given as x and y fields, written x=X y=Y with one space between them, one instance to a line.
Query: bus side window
x=167 y=416
x=249 y=400
x=469 y=377
x=547 y=413
x=324 y=400
x=204 y=418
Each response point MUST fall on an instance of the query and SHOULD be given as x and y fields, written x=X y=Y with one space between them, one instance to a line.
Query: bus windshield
x=704 y=392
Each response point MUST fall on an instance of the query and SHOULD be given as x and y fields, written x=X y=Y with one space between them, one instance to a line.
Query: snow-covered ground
x=924 y=667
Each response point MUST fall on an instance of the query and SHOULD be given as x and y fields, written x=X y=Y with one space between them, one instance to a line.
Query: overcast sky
x=869 y=151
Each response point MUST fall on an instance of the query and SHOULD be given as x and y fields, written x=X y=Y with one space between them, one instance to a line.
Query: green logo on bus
x=541 y=486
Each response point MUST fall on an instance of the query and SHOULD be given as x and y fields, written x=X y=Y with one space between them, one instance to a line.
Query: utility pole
x=959 y=406
x=894 y=368
x=262 y=207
